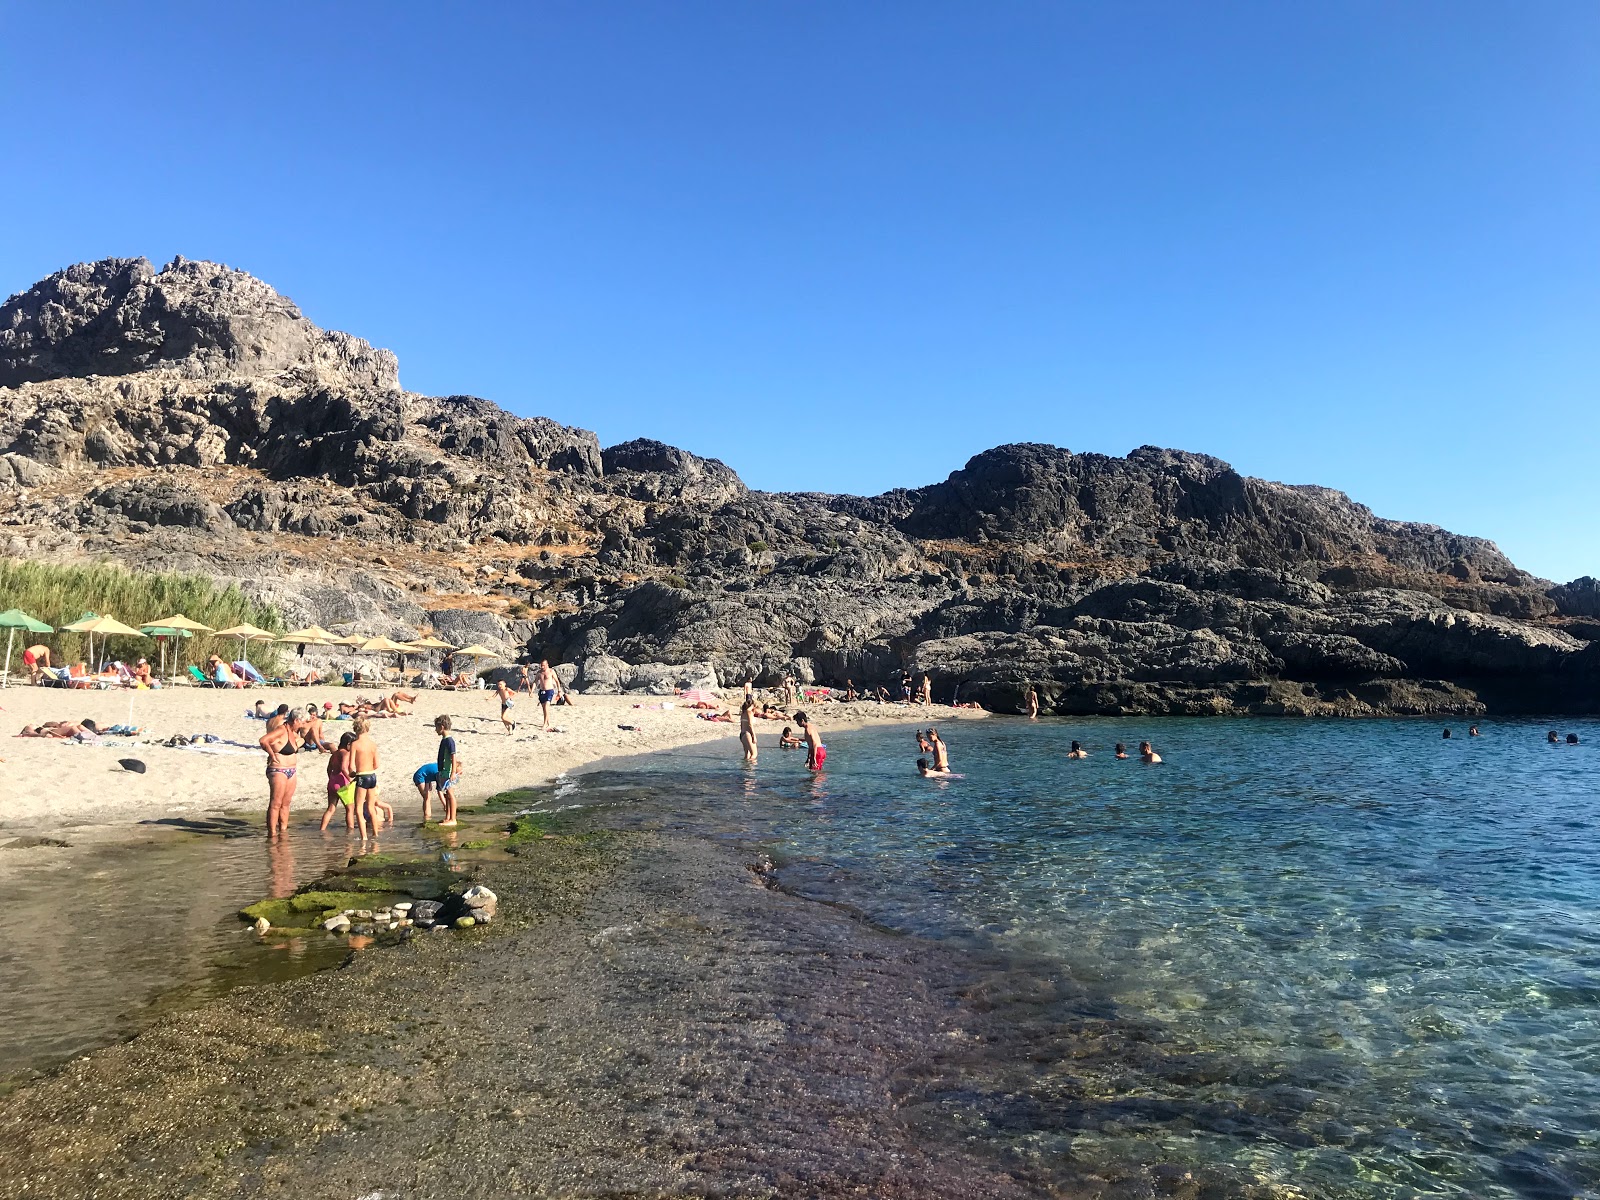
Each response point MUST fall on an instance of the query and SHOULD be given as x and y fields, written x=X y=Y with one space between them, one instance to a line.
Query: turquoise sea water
x=1373 y=954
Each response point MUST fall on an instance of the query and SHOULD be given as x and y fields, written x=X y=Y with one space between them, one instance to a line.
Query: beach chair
x=198 y=677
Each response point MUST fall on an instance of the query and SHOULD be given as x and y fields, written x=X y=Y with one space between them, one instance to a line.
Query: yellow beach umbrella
x=104 y=626
x=431 y=643
x=314 y=634
x=179 y=621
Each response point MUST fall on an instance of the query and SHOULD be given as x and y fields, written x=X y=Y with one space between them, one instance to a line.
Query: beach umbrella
x=161 y=633
x=314 y=634
x=105 y=626
x=12 y=620
x=383 y=645
x=180 y=626
x=246 y=634
x=699 y=696
x=426 y=645
x=475 y=652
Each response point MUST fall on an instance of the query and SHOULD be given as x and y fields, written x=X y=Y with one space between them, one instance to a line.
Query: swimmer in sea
x=922 y=743
x=1552 y=737
x=941 y=752
x=1572 y=739
x=1473 y=732
x=926 y=771
x=1122 y=750
x=787 y=740
x=1077 y=751
x=1447 y=735
x=1147 y=753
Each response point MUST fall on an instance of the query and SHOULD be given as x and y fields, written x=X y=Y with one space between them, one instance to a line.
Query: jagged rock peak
x=198 y=319
x=652 y=470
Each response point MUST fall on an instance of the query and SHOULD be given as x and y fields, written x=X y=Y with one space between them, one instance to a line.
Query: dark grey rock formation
x=193 y=418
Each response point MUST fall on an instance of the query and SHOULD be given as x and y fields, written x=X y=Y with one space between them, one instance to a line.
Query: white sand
x=47 y=785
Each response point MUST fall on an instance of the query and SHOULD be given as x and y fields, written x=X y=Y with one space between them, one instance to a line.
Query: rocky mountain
x=192 y=418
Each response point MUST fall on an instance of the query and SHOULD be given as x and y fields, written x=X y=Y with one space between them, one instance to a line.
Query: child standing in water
x=341 y=788
x=449 y=762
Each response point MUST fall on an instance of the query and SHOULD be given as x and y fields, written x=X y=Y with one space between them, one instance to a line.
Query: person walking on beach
x=747 y=729
x=522 y=680
x=816 y=752
x=508 y=701
x=282 y=745
x=941 y=752
x=1147 y=753
x=927 y=689
x=1033 y=703
x=364 y=767
x=905 y=686
x=548 y=683
x=449 y=771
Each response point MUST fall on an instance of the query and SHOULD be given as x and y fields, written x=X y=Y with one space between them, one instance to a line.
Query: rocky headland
x=193 y=419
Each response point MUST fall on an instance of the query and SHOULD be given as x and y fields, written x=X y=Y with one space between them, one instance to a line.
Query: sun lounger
x=198 y=677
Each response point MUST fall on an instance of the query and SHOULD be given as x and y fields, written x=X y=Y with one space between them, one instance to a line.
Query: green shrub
x=758 y=547
x=59 y=594
x=676 y=581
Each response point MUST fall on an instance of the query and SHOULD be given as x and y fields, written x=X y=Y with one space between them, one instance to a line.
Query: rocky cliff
x=193 y=418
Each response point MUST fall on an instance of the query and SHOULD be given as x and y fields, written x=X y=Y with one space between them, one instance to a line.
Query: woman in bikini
x=282 y=745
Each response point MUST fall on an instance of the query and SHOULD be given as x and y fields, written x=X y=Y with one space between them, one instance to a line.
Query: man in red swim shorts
x=816 y=752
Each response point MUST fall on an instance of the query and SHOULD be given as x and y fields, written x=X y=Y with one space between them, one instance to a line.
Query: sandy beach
x=50 y=785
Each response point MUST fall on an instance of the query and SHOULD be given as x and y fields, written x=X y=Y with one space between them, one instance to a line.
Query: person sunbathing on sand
x=721 y=716
x=60 y=729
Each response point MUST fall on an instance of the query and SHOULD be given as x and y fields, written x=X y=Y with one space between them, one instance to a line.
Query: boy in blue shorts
x=426 y=777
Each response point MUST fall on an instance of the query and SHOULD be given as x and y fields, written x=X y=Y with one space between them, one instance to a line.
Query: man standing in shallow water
x=816 y=752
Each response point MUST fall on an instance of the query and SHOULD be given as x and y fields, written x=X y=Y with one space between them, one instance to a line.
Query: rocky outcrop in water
x=193 y=418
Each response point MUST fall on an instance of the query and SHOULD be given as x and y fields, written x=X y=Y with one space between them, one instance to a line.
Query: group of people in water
x=352 y=767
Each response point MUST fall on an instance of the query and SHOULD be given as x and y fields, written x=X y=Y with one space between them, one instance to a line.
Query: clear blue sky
x=846 y=246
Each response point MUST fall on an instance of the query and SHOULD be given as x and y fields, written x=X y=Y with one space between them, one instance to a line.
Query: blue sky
x=846 y=246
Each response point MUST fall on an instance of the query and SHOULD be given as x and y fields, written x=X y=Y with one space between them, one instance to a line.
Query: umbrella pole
x=5 y=676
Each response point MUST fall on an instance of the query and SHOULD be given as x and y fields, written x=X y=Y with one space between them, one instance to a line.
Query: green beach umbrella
x=12 y=620
x=161 y=633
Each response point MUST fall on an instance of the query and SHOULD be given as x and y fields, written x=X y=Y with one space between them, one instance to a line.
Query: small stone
x=403 y=906
x=363 y=930
x=482 y=915
x=337 y=924
x=383 y=914
x=424 y=924
x=404 y=922
x=425 y=910
x=441 y=929
x=393 y=925
x=262 y=925
x=465 y=922
x=478 y=896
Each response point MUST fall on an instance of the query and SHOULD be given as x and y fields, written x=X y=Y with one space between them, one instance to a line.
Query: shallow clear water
x=1389 y=942
x=101 y=940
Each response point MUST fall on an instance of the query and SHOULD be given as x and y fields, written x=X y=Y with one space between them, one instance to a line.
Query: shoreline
x=623 y=1029
x=53 y=788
